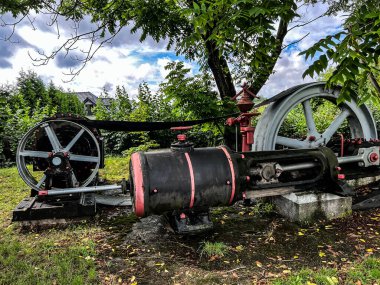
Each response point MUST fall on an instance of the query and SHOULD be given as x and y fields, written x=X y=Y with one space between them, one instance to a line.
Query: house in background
x=89 y=100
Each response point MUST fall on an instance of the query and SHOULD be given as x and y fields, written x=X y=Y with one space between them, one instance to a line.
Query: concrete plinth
x=307 y=207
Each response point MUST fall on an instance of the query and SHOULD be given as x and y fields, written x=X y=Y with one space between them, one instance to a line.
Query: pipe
x=341 y=145
x=65 y=191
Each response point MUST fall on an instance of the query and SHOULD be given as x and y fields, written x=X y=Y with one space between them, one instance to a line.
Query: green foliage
x=355 y=52
x=241 y=31
x=192 y=98
x=180 y=97
x=295 y=126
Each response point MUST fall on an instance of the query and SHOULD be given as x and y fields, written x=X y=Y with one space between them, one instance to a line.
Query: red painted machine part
x=138 y=183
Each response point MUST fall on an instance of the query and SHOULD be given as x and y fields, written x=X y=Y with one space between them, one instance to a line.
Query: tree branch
x=280 y=36
x=374 y=83
x=306 y=23
x=295 y=42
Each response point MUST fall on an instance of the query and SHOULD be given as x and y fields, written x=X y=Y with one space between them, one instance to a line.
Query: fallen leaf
x=160 y=264
x=239 y=248
x=322 y=254
x=259 y=264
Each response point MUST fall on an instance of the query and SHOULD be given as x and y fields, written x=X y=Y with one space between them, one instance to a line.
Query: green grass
x=50 y=257
x=116 y=169
x=366 y=272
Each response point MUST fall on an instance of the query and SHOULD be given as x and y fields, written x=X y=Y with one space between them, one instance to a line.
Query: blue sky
x=128 y=62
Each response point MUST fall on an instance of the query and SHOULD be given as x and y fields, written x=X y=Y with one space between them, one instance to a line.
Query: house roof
x=90 y=99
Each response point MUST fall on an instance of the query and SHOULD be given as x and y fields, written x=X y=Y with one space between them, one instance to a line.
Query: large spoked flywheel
x=303 y=108
x=58 y=154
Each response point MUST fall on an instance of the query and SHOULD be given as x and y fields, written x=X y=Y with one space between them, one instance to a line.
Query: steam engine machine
x=59 y=160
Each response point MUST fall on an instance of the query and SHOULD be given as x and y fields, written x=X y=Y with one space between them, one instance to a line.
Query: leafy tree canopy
x=354 y=51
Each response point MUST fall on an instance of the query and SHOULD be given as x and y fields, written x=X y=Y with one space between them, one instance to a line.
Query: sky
x=128 y=62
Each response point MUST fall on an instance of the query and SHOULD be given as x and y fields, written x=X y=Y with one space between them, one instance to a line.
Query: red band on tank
x=138 y=183
x=192 y=180
x=232 y=172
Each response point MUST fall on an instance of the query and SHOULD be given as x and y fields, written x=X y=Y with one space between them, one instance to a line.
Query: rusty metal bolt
x=373 y=157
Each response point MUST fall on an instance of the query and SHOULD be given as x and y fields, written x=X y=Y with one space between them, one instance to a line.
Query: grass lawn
x=247 y=247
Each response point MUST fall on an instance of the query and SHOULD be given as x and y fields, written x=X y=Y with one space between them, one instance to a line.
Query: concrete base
x=307 y=207
x=359 y=182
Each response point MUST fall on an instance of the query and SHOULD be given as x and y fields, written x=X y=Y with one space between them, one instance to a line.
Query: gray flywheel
x=359 y=119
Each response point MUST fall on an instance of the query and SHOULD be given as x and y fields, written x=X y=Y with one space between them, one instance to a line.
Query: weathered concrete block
x=306 y=207
x=358 y=182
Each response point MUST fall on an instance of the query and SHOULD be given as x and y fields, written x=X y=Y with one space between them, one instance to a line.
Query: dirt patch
x=260 y=247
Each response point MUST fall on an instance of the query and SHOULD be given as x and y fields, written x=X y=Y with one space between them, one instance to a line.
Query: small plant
x=210 y=249
x=262 y=208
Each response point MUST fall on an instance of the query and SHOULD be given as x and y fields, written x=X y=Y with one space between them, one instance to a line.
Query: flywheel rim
x=360 y=119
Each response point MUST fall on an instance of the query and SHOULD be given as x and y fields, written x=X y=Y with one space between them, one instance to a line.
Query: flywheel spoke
x=42 y=180
x=74 y=179
x=308 y=112
x=34 y=153
x=335 y=125
x=85 y=158
x=52 y=138
x=74 y=140
x=293 y=143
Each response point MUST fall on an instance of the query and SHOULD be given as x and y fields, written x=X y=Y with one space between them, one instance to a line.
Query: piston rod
x=305 y=165
x=350 y=159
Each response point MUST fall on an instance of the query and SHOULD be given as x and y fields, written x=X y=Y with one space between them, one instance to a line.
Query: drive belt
x=131 y=126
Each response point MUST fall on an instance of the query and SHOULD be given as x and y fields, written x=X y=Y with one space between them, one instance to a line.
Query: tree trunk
x=220 y=70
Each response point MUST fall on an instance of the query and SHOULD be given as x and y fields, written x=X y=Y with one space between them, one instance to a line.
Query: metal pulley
x=58 y=154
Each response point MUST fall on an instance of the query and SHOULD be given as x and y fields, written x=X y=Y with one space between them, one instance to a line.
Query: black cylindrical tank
x=167 y=180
